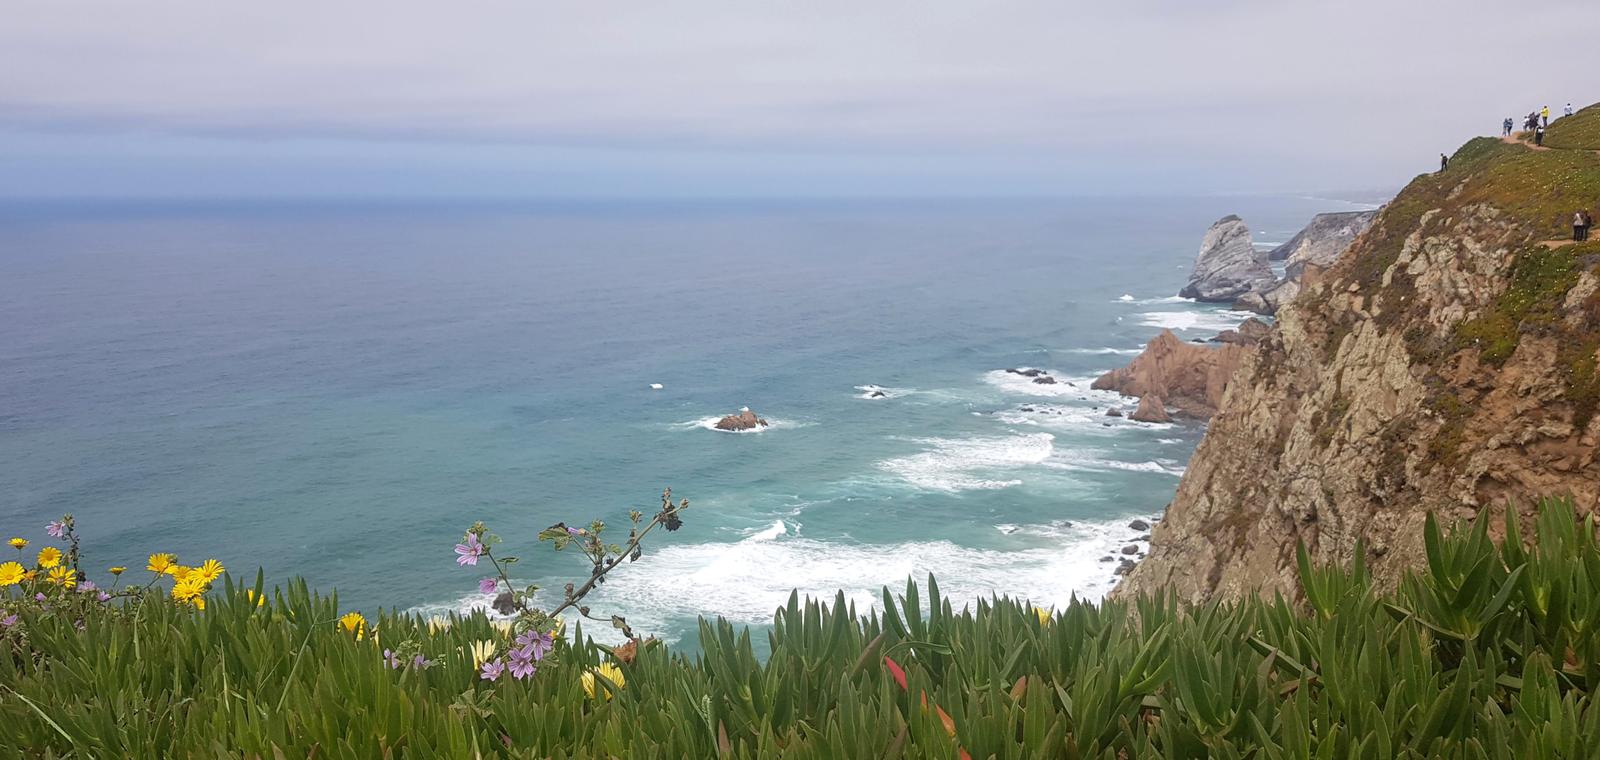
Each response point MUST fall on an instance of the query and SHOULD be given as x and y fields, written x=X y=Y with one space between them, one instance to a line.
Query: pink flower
x=56 y=529
x=522 y=662
x=391 y=658
x=538 y=644
x=469 y=552
x=488 y=585
x=8 y=621
x=491 y=669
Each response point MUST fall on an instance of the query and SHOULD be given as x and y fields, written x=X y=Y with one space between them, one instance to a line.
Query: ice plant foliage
x=1487 y=652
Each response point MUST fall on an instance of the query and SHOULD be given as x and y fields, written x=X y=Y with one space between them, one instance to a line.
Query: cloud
x=1277 y=89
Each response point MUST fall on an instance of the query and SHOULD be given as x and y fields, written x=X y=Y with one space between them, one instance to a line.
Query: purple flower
x=87 y=586
x=103 y=596
x=491 y=669
x=522 y=662
x=469 y=552
x=421 y=663
x=8 y=621
x=488 y=585
x=391 y=658
x=539 y=644
x=39 y=597
x=574 y=532
x=56 y=529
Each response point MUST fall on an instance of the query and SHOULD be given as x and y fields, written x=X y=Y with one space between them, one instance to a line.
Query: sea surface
x=337 y=390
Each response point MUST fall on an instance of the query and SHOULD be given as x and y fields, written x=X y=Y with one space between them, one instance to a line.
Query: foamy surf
x=970 y=464
x=1106 y=351
x=878 y=392
x=1215 y=321
x=1016 y=384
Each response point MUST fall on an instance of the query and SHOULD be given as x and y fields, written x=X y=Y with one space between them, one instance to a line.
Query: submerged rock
x=1228 y=265
x=744 y=420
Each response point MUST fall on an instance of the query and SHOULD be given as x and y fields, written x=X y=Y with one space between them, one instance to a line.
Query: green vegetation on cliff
x=1488 y=653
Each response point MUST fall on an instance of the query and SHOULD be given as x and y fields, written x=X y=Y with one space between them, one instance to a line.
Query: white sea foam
x=1214 y=321
x=776 y=530
x=869 y=389
x=1092 y=460
x=1154 y=300
x=1047 y=564
x=1106 y=350
x=966 y=464
x=1063 y=387
x=1125 y=297
x=1080 y=419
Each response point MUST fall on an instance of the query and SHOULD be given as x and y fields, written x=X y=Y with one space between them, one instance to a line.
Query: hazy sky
x=691 y=98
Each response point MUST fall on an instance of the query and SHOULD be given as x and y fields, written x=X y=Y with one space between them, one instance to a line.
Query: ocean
x=337 y=390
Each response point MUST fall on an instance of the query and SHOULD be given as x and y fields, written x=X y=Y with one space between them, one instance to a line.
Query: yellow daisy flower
x=199 y=602
x=18 y=543
x=354 y=624
x=118 y=570
x=63 y=577
x=49 y=557
x=608 y=671
x=11 y=573
x=188 y=590
x=482 y=651
x=210 y=570
x=179 y=573
x=259 y=599
x=160 y=562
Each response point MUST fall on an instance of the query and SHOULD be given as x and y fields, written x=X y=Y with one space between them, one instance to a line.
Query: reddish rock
x=1150 y=410
x=744 y=420
x=1188 y=378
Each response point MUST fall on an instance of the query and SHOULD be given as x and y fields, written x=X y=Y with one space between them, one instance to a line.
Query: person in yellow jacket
x=1545 y=114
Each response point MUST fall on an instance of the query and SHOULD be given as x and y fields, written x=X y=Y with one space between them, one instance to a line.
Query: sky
x=753 y=98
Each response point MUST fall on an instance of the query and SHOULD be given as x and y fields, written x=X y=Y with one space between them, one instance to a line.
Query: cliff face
x=1446 y=362
x=1323 y=239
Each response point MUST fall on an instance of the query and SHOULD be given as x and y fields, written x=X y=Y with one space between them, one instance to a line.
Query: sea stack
x=744 y=420
x=1228 y=265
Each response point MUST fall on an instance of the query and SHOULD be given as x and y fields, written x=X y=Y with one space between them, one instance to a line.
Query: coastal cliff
x=1446 y=362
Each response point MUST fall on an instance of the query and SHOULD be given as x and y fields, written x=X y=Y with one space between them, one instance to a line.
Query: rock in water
x=1113 y=412
x=1228 y=265
x=1150 y=410
x=744 y=420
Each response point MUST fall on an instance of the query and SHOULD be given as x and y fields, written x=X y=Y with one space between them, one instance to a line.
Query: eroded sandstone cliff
x=1446 y=362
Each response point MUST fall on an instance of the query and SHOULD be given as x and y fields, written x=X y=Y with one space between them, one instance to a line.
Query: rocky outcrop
x=1249 y=333
x=1150 y=410
x=744 y=420
x=1318 y=245
x=1323 y=240
x=1184 y=377
x=1446 y=363
x=1228 y=265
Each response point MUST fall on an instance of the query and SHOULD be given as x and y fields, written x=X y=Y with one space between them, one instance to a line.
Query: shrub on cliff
x=1489 y=653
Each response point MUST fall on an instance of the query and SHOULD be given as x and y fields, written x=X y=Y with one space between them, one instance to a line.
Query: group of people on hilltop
x=1536 y=123
x=1581 y=222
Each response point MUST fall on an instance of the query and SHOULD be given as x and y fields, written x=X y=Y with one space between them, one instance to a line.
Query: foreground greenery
x=1489 y=653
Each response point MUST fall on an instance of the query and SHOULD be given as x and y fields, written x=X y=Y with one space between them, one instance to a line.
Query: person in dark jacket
x=1538 y=135
x=1444 y=162
x=1578 y=223
x=1505 y=127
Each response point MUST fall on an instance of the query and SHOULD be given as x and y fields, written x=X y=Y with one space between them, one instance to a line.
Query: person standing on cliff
x=1588 y=221
x=1545 y=112
x=1444 y=162
x=1538 y=135
x=1505 y=127
x=1568 y=111
x=1578 y=225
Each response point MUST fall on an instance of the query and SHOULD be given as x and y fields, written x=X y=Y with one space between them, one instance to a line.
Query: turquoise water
x=338 y=391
